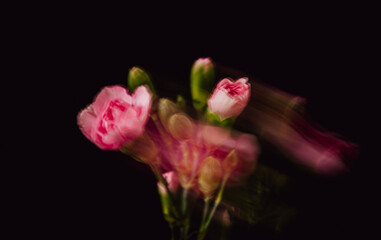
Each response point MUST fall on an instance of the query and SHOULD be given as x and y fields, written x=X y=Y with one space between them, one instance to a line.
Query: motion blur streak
x=277 y=117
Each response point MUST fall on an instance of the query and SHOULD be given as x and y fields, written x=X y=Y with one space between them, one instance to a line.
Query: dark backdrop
x=83 y=192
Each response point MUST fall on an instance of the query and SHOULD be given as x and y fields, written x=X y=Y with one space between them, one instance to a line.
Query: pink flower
x=229 y=98
x=115 y=117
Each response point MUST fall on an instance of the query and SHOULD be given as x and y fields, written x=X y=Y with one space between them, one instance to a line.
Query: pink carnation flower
x=229 y=98
x=115 y=117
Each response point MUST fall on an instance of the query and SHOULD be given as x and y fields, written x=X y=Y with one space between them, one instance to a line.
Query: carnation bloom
x=115 y=117
x=229 y=98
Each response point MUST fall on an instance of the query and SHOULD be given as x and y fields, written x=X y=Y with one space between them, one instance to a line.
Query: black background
x=75 y=190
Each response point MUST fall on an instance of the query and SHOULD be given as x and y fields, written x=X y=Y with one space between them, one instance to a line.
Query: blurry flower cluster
x=195 y=153
x=191 y=158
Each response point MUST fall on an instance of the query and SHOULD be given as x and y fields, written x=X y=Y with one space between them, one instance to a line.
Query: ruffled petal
x=108 y=94
x=87 y=120
x=142 y=100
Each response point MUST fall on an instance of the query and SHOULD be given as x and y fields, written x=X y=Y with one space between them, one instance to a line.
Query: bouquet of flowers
x=194 y=152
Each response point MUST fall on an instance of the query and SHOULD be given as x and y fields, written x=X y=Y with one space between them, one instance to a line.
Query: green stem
x=184 y=201
x=205 y=212
x=172 y=231
x=184 y=212
x=204 y=226
x=206 y=209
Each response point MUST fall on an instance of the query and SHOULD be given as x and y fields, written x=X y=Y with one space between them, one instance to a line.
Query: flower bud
x=230 y=162
x=137 y=77
x=201 y=82
x=172 y=181
x=166 y=108
x=173 y=184
x=229 y=98
x=209 y=177
x=180 y=126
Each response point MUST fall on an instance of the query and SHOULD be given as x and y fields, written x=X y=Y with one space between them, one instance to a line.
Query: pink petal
x=129 y=125
x=223 y=82
x=87 y=120
x=141 y=100
x=111 y=141
x=222 y=104
x=107 y=94
x=242 y=80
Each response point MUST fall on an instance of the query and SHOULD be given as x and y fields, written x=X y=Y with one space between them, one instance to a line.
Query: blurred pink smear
x=278 y=118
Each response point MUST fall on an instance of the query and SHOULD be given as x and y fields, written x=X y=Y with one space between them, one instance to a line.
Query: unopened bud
x=172 y=181
x=165 y=109
x=230 y=162
x=201 y=82
x=180 y=126
x=209 y=177
x=138 y=77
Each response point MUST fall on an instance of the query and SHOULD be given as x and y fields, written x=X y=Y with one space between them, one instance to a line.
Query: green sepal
x=214 y=119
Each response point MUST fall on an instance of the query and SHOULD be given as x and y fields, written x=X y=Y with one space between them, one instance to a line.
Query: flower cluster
x=195 y=157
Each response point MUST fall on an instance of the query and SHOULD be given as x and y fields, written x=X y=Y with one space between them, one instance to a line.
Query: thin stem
x=184 y=212
x=206 y=209
x=172 y=231
x=205 y=212
x=205 y=226
x=184 y=201
x=183 y=233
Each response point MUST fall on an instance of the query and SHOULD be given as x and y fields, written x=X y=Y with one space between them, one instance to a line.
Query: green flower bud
x=201 y=82
x=138 y=77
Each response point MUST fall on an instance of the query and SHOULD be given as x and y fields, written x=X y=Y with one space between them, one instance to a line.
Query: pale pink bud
x=115 y=117
x=172 y=181
x=229 y=98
